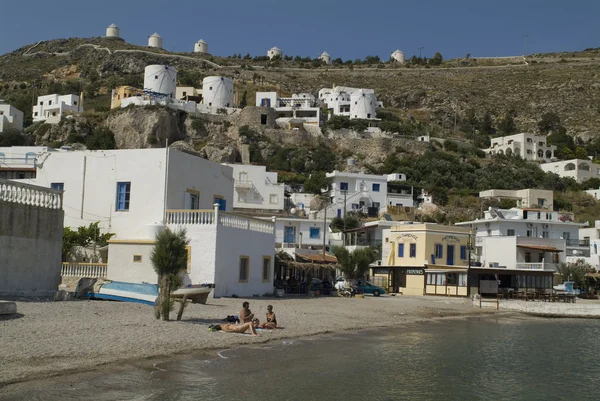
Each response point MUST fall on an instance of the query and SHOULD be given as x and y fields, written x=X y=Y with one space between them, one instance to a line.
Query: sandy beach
x=54 y=338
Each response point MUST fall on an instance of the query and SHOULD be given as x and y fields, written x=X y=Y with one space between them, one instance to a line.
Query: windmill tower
x=160 y=81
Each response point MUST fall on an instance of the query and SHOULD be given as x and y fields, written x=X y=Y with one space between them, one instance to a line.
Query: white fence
x=190 y=217
x=17 y=192
x=93 y=270
x=216 y=217
x=537 y=266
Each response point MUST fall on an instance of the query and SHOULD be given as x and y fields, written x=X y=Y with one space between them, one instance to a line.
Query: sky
x=348 y=29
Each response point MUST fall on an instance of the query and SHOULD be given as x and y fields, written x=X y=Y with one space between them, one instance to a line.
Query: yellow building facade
x=425 y=259
x=122 y=92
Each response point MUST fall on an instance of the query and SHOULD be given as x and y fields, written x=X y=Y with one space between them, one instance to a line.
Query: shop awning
x=544 y=248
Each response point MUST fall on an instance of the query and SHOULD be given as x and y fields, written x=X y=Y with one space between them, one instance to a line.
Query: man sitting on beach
x=246 y=316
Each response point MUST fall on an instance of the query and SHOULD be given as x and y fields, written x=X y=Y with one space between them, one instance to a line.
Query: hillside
x=447 y=101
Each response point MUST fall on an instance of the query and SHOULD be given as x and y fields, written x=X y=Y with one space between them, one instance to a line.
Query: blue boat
x=127 y=292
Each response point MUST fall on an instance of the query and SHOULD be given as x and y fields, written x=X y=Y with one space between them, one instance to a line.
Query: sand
x=54 y=338
x=581 y=309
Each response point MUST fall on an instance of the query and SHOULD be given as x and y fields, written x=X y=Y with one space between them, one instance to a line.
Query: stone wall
x=30 y=249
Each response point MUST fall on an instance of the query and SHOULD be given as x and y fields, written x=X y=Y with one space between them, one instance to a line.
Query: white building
x=325 y=57
x=10 y=117
x=292 y=112
x=137 y=192
x=294 y=232
x=217 y=92
x=524 y=239
x=51 y=108
x=18 y=162
x=398 y=56
x=155 y=40
x=527 y=146
x=201 y=47
x=578 y=169
x=362 y=192
x=188 y=93
x=525 y=198
x=113 y=31
x=256 y=188
x=274 y=52
x=594 y=192
x=350 y=102
x=589 y=237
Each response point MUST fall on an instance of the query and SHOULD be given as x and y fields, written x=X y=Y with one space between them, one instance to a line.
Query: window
x=463 y=252
x=263 y=119
x=545 y=234
x=376 y=187
x=413 y=250
x=315 y=233
x=266 y=268
x=210 y=88
x=123 y=196
x=75 y=102
x=221 y=202
x=194 y=201
x=400 y=250
x=59 y=186
x=29 y=158
x=49 y=102
x=244 y=269
x=510 y=232
x=137 y=258
x=377 y=205
x=184 y=93
x=529 y=233
x=439 y=251
x=156 y=77
x=36 y=113
x=355 y=206
x=527 y=257
x=541 y=202
x=343 y=186
x=273 y=199
x=41 y=103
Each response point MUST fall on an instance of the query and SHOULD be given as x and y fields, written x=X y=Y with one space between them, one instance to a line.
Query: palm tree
x=169 y=258
x=354 y=265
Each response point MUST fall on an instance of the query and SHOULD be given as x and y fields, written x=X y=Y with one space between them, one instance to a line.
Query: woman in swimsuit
x=271 y=322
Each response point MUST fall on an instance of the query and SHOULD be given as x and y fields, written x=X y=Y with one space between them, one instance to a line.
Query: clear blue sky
x=345 y=28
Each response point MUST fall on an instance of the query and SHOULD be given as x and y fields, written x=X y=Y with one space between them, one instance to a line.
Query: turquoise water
x=476 y=359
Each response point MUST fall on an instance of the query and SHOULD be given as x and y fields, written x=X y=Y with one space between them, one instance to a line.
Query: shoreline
x=150 y=362
x=60 y=340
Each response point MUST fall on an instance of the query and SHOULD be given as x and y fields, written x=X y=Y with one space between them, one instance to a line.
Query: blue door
x=450 y=255
x=289 y=234
x=339 y=213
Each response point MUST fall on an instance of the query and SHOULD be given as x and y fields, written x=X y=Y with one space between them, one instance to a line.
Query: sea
x=491 y=358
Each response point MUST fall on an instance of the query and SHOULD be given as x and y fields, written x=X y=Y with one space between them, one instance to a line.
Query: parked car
x=369 y=288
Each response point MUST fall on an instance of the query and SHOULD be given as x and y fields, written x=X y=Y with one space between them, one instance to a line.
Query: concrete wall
x=30 y=249
x=121 y=266
x=233 y=243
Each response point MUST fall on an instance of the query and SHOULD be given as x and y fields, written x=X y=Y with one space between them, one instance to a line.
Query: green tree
x=316 y=182
x=244 y=101
x=486 y=126
x=337 y=223
x=84 y=236
x=437 y=59
x=169 y=258
x=101 y=138
x=575 y=272
x=580 y=153
x=12 y=137
x=354 y=265
x=550 y=122
x=507 y=125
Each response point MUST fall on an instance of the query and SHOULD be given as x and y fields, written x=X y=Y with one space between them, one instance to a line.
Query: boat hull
x=146 y=294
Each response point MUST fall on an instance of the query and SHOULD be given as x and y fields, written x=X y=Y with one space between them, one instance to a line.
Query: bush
x=12 y=138
x=101 y=138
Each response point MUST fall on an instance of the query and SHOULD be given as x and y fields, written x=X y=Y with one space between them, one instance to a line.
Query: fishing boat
x=197 y=293
x=566 y=287
x=126 y=292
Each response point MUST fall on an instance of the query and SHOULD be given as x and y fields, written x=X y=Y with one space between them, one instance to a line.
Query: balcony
x=578 y=243
x=218 y=218
x=542 y=266
x=243 y=185
x=33 y=195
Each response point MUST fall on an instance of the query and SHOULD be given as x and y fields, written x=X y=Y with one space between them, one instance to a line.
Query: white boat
x=566 y=287
x=196 y=293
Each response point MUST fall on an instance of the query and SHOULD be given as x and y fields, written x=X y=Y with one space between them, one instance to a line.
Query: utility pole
x=525 y=45
x=469 y=244
x=420 y=48
x=324 y=228
x=345 y=192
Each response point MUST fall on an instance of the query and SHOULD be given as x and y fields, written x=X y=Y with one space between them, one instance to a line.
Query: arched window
x=540 y=153
x=584 y=167
x=548 y=154
x=570 y=167
x=517 y=151
x=500 y=152
x=508 y=152
x=29 y=158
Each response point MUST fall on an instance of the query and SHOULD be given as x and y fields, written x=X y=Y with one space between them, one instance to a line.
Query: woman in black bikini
x=271 y=322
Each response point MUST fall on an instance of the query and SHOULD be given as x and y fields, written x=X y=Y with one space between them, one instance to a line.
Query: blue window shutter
x=222 y=204
x=463 y=252
x=401 y=250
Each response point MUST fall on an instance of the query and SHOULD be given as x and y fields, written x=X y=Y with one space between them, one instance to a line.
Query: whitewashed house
x=356 y=103
x=524 y=198
x=10 y=117
x=578 y=169
x=366 y=193
x=294 y=232
x=589 y=242
x=137 y=192
x=256 y=189
x=51 y=108
x=291 y=112
x=528 y=146
x=19 y=162
x=524 y=239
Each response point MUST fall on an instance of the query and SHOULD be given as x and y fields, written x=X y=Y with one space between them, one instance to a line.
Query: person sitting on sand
x=237 y=328
x=246 y=316
x=271 y=322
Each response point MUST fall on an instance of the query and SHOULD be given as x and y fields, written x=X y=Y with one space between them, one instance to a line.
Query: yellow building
x=122 y=92
x=425 y=259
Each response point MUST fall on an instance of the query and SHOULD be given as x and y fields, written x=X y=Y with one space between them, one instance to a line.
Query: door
x=339 y=213
x=289 y=234
x=450 y=255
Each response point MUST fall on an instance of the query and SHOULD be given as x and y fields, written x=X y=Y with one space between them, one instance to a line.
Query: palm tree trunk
x=165 y=293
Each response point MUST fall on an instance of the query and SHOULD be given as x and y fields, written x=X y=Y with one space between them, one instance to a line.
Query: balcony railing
x=578 y=243
x=17 y=192
x=243 y=184
x=216 y=217
x=538 y=266
x=93 y=270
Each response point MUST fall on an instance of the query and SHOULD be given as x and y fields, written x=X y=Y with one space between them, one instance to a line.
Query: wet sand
x=49 y=339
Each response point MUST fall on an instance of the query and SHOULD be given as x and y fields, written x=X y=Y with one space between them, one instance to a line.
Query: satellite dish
x=490 y=209
x=293 y=210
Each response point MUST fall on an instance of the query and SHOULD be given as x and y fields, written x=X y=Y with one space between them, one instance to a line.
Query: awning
x=319 y=258
x=544 y=248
